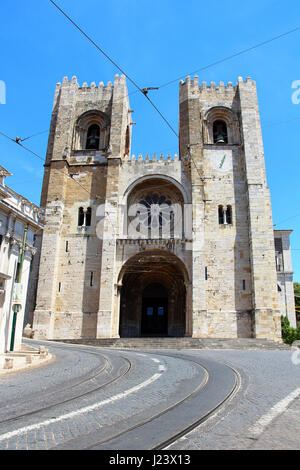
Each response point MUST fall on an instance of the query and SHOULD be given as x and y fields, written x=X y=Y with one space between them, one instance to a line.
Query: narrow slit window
x=221 y=215
x=80 y=217
x=244 y=284
x=88 y=217
x=17 y=271
x=67 y=246
x=91 y=279
x=228 y=215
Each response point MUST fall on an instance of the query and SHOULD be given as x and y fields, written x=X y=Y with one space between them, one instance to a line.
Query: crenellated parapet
x=147 y=159
x=119 y=81
x=206 y=90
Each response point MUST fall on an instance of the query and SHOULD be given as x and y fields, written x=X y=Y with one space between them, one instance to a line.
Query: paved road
x=265 y=412
x=96 y=398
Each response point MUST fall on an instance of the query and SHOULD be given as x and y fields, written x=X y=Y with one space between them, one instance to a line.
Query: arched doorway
x=153 y=295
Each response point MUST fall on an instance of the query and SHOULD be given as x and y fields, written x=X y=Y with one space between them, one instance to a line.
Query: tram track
x=149 y=428
x=96 y=373
x=122 y=439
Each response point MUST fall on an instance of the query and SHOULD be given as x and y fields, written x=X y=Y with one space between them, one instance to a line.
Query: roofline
x=23 y=216
x=284 y=230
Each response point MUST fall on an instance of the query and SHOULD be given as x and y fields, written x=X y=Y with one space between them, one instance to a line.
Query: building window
x=244 y=284
x=221 y=215
x=127 y=141
x=91 y=279
x=225 y=215
x=17 y=271
x=84 y=217
x=93 y=137
x=80 y=217
x=156 y=214
x=220 y=132
x=279 y=254
x=228 y=215
x=88 y=217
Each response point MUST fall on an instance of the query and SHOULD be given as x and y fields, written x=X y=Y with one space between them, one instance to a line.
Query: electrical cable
x=244 y=51
x=116 y=65
x=143 y=91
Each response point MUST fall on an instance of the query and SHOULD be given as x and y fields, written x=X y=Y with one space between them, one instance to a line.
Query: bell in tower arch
x=93 y=137
x=220 y=132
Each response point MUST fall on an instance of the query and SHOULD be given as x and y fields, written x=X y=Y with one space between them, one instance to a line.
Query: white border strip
x=275 y=411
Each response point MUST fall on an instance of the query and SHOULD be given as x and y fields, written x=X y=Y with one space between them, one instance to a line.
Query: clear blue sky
x=154 y=42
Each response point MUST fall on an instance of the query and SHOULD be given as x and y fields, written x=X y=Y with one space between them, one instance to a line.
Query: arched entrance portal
x=153 y=295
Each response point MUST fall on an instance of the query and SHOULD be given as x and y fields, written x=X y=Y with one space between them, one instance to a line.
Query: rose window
x=155 y=211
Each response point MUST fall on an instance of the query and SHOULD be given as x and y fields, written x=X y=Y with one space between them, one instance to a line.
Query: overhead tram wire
x=122 y=71
x=88 y=192
x=232 y=56
x=21 y=145
x=163 y=85
x=225 y=59
x=34 y=135
x=142 y=90
x=41 y=158
x=244 y=51
x=172 y=81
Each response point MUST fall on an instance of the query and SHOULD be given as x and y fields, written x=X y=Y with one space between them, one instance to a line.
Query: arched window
x=228 y=215
x=220 y=132
x=88 y=217
x=155 y=210
x=127 y=141
x=91 y=131
x=93 y=137
x=157 y=214
x=221 y=215
x=80 y=217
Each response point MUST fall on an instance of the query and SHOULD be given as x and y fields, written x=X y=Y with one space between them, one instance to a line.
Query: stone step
x=181 y=343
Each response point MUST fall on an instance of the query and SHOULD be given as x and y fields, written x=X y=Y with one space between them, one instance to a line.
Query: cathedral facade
x=164 y=245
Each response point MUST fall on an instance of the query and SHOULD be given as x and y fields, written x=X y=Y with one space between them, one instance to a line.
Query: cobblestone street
x=97 y=398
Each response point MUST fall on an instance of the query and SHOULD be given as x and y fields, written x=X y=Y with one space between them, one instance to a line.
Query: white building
x=285 y=285
x=19 y=222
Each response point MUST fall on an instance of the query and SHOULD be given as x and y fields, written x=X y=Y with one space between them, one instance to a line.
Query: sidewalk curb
x=25 y=367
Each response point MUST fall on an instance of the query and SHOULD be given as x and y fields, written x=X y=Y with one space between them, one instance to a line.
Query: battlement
x=192 y=86
x=118 y=81
x=155 y=159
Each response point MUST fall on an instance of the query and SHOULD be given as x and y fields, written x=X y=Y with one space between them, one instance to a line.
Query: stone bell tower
x=90 y=134
x=234 y=288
